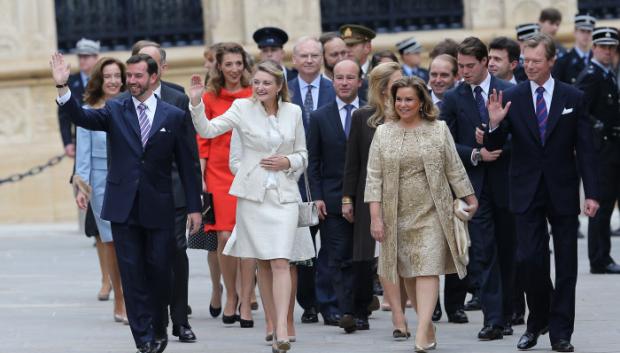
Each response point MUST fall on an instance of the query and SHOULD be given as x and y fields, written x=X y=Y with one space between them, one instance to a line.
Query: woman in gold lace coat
x=413 y=171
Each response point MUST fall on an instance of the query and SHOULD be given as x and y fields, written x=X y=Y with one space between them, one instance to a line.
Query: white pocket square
x=163 y=129
x=567 y=111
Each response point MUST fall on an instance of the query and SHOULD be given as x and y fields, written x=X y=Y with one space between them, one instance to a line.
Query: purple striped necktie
x=541 y=113
x=145 y=124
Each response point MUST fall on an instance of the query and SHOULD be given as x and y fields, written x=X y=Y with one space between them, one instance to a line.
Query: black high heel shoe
x=215 y=312
x=230 y=320
x=244 y=323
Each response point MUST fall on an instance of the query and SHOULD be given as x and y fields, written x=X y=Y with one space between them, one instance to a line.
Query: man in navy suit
x=551 y=137
x=327 y=142
x=145 y=135
x=492 y=227
x=170 y=93
x=310 y=91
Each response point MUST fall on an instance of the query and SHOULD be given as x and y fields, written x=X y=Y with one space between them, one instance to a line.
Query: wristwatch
x=476 y=157
x=63 y=85
x=346 y=200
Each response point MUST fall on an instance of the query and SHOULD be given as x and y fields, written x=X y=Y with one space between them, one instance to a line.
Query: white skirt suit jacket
x=266 y=215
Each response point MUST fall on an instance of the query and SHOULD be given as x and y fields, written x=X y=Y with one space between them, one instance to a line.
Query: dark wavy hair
x=216 y=77
x=428 y=111
x=94 y=90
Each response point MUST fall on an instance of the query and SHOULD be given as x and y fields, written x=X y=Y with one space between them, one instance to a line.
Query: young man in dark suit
x=327 y=142
x=179 y=307
x=310 y=91
x=551 y=137
x=145 y=135
x=492 y=227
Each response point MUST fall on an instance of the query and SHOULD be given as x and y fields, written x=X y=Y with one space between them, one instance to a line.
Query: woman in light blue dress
x=106 y=81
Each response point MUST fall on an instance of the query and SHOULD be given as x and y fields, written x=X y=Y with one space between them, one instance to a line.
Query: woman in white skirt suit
x=274 y=156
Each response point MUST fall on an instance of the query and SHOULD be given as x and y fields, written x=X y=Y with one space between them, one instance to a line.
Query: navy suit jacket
x=460 y=112
x=326 y=95
x=327 y=146
x=139 y=172
x=568 y=145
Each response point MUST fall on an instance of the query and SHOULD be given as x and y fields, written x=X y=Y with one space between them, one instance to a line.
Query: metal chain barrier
x=33 y=171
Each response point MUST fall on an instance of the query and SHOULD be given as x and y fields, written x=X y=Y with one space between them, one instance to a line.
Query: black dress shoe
x=160 y=344
x=612 y=268
x=361 y=323
x=437 y=313
x=507 y=331
x=145 y=348
x=331 y=320
x=491 y=333
x=184 y=333
x=458 y=317
x=309 y=316
x=529 y=339
x=562 y=346
x=517 y=319
x=347 y=322
x=473 y=304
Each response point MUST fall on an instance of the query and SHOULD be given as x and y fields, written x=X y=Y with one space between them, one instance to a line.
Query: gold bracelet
x=347 y=202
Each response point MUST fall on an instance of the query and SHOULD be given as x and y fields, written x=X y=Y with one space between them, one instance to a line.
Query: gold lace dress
x=422 y=246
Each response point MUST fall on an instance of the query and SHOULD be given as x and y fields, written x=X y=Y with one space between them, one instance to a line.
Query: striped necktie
x=145 y=123
x=541 y=113
x=308 y=103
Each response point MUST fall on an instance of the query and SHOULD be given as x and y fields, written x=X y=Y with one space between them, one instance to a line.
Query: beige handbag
x=308 y=212
x=461 y=233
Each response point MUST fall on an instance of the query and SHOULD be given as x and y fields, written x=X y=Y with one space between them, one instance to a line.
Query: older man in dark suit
x=145 y=135
x=310 y=91
x=551 y=137
x=492 y=228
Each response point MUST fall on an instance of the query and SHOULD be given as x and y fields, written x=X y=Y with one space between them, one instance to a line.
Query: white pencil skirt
x=268 y=230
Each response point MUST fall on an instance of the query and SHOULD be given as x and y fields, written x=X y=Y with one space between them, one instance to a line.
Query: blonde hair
x=275 y=70
x=428 y=111
x=216 y=77
x=378 y=80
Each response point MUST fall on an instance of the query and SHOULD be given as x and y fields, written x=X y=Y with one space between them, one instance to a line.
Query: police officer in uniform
x=598 y=82
x=524 y=32
x=410 y=52
x=568 y=67
x=270 y=41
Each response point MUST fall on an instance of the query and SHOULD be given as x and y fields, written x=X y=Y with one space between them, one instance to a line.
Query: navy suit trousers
x=144 y=259
x=337 y=238
x=548 y=306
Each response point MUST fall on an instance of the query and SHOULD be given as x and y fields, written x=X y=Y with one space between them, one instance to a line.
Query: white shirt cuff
x=64 y=99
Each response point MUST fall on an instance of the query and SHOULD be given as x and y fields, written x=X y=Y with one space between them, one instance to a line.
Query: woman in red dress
x=228 y=80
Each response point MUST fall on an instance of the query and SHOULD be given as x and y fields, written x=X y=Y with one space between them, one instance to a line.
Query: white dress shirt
x=434 y=98
x=547 y=95
x=303 y=88
x=343 y=112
